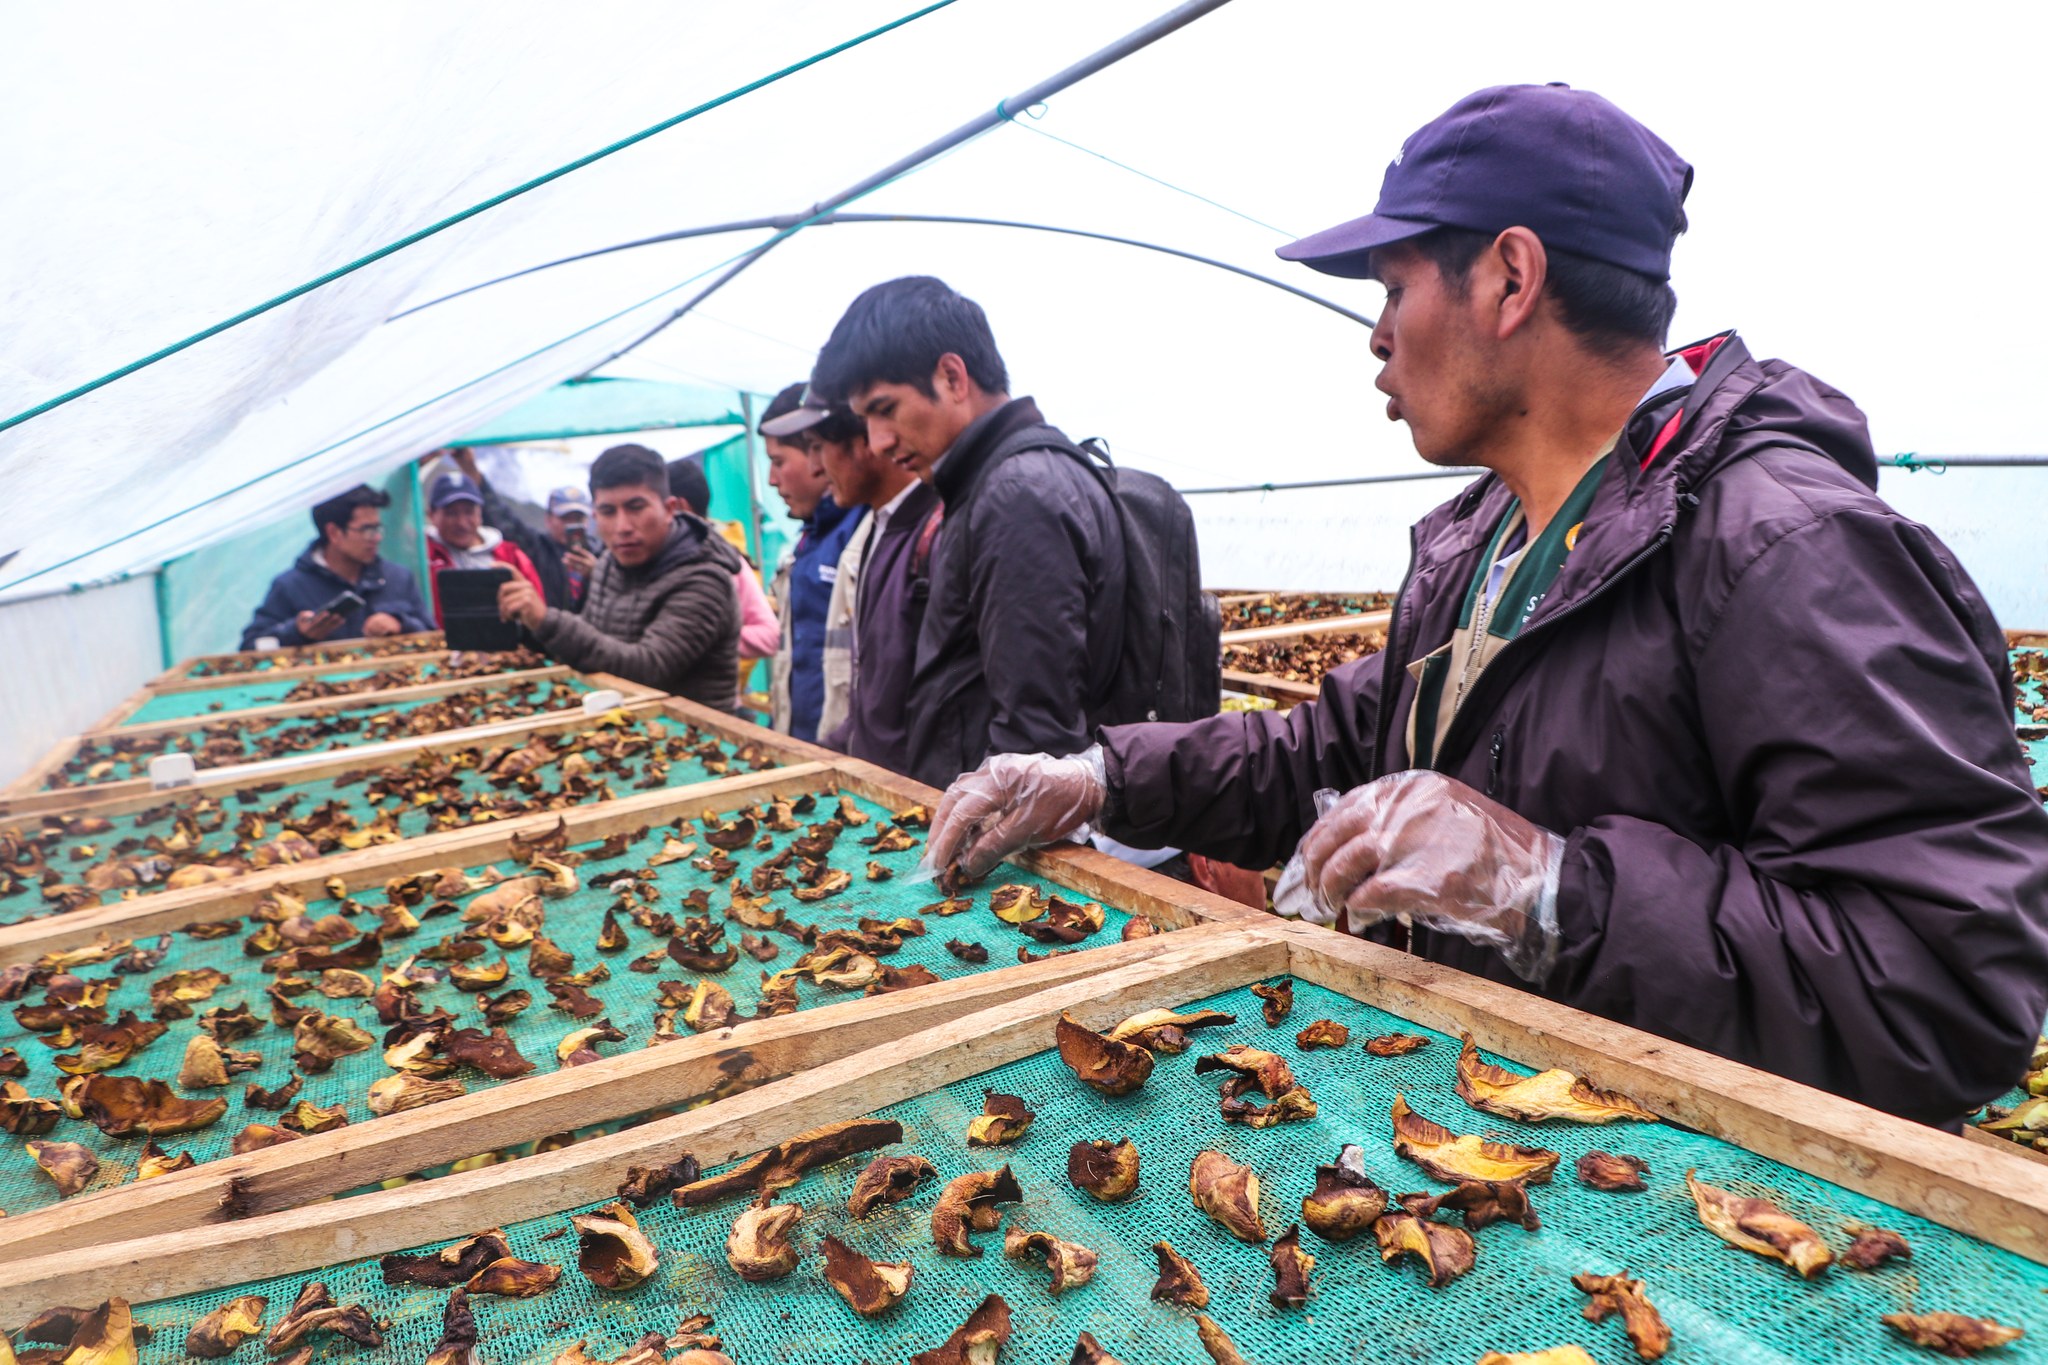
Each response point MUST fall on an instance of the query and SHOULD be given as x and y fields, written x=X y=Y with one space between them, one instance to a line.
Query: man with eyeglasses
x=340 y=588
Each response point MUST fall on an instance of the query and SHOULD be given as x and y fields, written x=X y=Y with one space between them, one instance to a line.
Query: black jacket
x=1025 y=619
x=556 y=588
x=309 y=585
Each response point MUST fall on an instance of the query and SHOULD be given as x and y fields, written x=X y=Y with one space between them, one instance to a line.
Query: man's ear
x=950 y=379
x=1521 y=267
x=675 y=505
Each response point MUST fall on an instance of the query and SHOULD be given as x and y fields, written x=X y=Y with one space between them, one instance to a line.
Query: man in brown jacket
x=660 y=607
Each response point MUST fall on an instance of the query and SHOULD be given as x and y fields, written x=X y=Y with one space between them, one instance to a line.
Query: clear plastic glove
x=1427 y=849
x=1012 y=802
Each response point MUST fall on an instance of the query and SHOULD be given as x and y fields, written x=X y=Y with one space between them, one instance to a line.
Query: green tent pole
x=421 y=573
x=753 y=483
x=163 y=615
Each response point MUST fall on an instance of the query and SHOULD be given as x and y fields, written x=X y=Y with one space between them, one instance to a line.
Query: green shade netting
x=1723 y=1305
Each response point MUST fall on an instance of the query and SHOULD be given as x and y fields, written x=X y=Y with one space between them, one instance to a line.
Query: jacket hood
x=689 y=539
x=1740 y=405
x=373 y=573
x=491 y=539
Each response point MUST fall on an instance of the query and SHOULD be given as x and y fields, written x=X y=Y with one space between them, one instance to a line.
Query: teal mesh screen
x=463 y=798
x=229 y=696
x=2030 y=684
x=1724 y=1305
x=243 y=664
x=226 y=741
x=240 y=693
x=629 y=998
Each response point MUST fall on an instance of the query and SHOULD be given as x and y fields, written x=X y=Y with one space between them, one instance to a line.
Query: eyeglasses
x=374 y=530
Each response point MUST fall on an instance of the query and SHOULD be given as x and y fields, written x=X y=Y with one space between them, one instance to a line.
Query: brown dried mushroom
x=1322 y=1033
x=1071 y=1264
x=1291 y=1267
x=968 y=1205
x=1216 y=1342
x=786 y=1162
x=1346 y=1201
x=1107 y=1170
x=887 y=1180
x=1453 y=1159
x=1614 y=1172
x=1483 y=1202
x=454 y=1264
x=1872 y=1247
x=226 y=1327
x=1553 y=1094
x=106 y=1335
x=611 y=1251
x=1555 y=1355
x=155 y=1161
x=1164 y=1030
x=1396 y=1044
x=1228 y=1193
x=1445 y=1252
x=977 y=1341
x=1279 y=998
x=1952 y=1334
x=316 y=1311
x=127 y=1106
x=511 y=1278
x=869 y=1287
x=457 y=1345
x=396 y=1094
x=70 y=1165
x=1613 y=1294
x=762 y=1245
x=1089 y=1351
x=1759 y=1226
x=1179 y=1282
x=1101 y=1063
x=1003 y=1120
x=645 y=1184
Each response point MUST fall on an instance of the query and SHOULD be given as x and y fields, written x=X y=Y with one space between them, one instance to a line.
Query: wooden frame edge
x=292 y=710
x=1324 y=625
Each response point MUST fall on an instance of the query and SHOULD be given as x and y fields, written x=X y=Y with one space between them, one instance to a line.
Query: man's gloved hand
x=1429 y=850
x=1013 y=802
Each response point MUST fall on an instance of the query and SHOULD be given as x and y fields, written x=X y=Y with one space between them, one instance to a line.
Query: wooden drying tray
x=2015 y=639
x=163 y=911
x=197 y=1200
x=1294 y=630
x=1284 y=691
x=416 y=645
x=112 y=726
x=174 y=682
x=1985 y=1194
x=26 y=793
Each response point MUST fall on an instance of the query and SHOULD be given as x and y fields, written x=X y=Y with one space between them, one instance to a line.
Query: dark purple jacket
x=887 y=614
x=1772 y=718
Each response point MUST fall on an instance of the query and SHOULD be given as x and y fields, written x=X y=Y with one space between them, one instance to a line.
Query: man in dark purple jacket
x=1677 y=721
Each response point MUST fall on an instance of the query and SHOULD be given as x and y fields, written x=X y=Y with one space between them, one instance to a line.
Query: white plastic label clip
x=599 y=702
x=172 y=770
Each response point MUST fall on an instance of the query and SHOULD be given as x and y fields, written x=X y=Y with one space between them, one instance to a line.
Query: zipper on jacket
x=1493 y=767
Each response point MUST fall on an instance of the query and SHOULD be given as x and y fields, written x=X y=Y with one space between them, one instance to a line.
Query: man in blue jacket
x=809 y=692
x=305 y=603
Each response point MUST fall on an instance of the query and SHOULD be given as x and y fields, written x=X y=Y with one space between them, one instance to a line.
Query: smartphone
x=344 y=602
x=577 y=537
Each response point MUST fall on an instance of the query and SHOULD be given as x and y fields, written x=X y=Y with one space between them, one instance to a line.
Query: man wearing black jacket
x=1023 y=629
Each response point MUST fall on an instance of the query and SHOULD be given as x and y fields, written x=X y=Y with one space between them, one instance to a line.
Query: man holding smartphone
x=340 y=588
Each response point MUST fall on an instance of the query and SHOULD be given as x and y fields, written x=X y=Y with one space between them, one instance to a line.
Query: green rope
x=468 y=213
x=1033 y=127
x=1913 y=464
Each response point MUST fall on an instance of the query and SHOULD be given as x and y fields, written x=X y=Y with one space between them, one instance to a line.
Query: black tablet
x=469 y=609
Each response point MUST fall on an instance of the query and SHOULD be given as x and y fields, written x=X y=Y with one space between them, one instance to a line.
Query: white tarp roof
x=1863 y=196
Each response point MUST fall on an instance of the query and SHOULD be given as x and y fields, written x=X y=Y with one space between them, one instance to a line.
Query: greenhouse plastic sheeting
x=600 y=407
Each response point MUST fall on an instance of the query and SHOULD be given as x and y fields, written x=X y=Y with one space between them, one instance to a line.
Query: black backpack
x=1171 y=663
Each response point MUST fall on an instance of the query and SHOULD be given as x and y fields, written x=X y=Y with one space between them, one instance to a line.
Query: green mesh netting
x=629 y=997
x=219 y=743
x=341 y=651
x=2030 y=686
x=359 y=796
x=1723 y=1305
x=229 y=696
x=245 y=692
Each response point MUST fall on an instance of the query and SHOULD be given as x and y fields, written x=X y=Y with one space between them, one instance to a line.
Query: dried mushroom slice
x=1952 y=1334
x=1759 y=1226
x=785 y=1163
x=1103 y=1064
x=611 y=1251
x=889 y=839
x=315 y=1311
x=218 y=1333
x=511 y=1278
x=1291 y=1267
x=1107 y=1170
x=578 y=1047
x=1071 y=1264
x=1872 y=1247
x=207 y=1065
x=1396 y=1044
x=454 y=1264
x=1613 y=1172
x=1293 y=1107
x=457 y=1345
x=1445 y=1252
x=70 y=1165
x=952 y=905
x=967 y=952
x=762 y=1243
x=1279 y=998
x=1483 y=1202
x=396 y=1094
x=887 y=1179
x=1179 y=1283
x=1165 y=1030
x=26 y=1115
x=1065 y=922
x=1228 y=1193
x=125 y=1106
x=977 y=1341
x=1017 y=903
x=493 y=1053
x=1613 y=1294
x=1322 y=1033
x=308 y=1117
x=869 y=1287
x=1217 y=1342
x=968 y=1204
x=155 y=1161
x=1555 y=1355
x=1553 y=1094
x=1346 y=1201
x=1446 y=1156
x=320 y=1040
x=1267 y=1071
x=106 y=1335
x=645 y=1184
x=1089 y=1351
x=1003 y=1120
x=732 y=835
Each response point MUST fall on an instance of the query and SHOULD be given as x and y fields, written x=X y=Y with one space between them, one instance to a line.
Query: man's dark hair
x=1610 y=308
x=839 y=425
x=782 y=404
x=629 y=466
x=340 y=509
x=686 y=480
x=894 y=333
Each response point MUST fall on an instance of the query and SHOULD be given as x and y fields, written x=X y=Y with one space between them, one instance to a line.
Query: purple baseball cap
x=452 y=486
x=1566 y=164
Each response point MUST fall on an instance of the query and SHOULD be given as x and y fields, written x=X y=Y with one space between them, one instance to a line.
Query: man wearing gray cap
x=1677 y=721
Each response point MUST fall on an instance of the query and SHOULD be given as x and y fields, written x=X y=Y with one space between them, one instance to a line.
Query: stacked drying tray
x=1060 y=1177
x=1279 y=645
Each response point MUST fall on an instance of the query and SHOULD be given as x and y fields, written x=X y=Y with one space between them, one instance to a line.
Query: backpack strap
x=921 y=553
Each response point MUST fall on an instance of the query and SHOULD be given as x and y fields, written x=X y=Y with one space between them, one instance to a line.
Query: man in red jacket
x=1677 y=721
x=458 y=539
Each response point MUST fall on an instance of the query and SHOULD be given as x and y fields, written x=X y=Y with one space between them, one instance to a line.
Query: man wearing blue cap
x=458 y=539
x=1677 y=721
x=562 y=550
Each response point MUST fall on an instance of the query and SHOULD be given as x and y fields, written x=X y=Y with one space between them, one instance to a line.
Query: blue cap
x=1566 y=164
x=452 y=486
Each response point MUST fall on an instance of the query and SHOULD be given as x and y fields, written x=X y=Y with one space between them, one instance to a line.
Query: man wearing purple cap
x=561 y=551
x=1677 y=721
x=458 y=539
